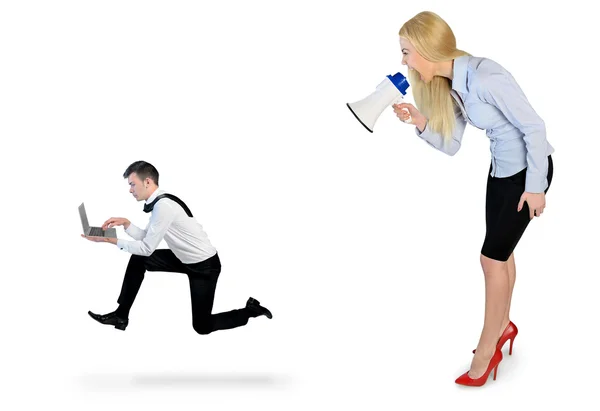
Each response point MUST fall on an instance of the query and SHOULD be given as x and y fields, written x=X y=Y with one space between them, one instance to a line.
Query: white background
x=364 y=246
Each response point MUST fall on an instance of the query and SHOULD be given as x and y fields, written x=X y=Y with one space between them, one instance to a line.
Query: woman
x=452 y=87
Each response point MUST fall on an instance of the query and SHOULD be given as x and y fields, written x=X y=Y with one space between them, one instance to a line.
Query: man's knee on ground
x=202 y=327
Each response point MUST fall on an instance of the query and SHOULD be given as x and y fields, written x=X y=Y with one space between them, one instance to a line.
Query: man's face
x=138 y=187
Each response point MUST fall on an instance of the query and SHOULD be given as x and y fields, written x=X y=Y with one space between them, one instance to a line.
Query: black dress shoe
x=255 y=307
x=111 y=319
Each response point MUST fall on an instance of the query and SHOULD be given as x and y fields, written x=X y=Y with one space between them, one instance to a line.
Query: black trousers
x=203 y=282
x=504 y=224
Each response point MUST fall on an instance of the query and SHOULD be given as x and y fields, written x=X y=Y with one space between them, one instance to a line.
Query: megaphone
x=390 y=91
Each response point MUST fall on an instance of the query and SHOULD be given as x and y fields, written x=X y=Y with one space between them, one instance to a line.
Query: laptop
x=94 y=231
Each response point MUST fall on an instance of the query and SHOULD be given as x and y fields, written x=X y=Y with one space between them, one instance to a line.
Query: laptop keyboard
x=96 y=232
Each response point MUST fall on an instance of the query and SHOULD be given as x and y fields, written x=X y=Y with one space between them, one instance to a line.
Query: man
x=190 y=252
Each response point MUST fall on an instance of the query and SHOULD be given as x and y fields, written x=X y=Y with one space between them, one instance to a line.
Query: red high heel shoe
x=478 y=382
x=510 y=332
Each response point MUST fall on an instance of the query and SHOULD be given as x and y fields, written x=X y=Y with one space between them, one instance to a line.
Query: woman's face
x=414 y=61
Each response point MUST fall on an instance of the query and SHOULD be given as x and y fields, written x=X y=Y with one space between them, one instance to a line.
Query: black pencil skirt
x=504 y=224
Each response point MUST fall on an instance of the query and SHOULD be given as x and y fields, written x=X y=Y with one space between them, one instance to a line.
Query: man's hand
x=535 y=201
x=116 y=221
x=101 y=239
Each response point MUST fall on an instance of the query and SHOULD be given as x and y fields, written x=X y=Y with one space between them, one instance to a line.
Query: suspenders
x=149 y=207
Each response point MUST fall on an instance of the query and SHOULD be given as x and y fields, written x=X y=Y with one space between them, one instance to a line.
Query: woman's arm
x=448 y=146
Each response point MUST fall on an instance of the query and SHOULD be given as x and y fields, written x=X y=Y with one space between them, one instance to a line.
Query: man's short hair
x=143 y=170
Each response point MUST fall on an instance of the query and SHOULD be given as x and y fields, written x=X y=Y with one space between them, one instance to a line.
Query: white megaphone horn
x=390 y=91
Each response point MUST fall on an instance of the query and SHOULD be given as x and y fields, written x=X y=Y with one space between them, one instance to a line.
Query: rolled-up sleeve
x=500 y=89
x=160 y=220
x=449 y=146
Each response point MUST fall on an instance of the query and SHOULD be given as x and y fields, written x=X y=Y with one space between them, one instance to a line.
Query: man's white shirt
x=168 y=220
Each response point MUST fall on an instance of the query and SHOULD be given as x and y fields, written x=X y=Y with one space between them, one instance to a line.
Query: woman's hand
x=418 y=119
x=535 y=201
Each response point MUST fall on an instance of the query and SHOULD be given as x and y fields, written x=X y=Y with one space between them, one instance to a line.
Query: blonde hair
x=433 y=39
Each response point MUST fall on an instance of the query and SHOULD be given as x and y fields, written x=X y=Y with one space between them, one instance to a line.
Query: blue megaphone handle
x=400 y=82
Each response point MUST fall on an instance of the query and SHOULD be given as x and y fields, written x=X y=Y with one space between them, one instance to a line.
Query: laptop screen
x=84 y=220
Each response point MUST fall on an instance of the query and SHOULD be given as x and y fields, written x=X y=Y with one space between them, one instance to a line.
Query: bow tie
x=149 y=206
